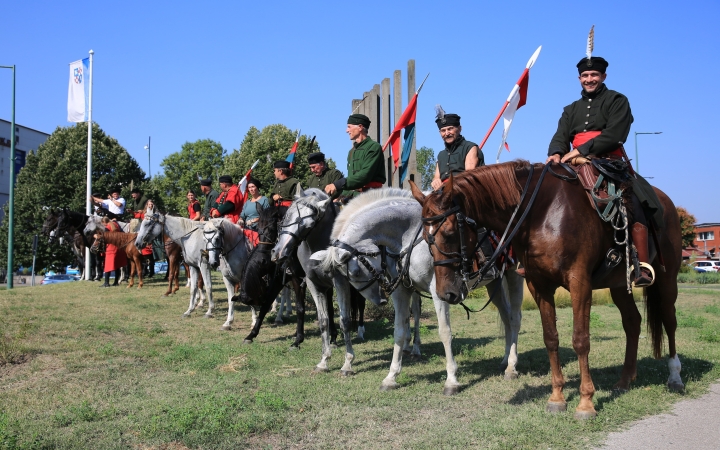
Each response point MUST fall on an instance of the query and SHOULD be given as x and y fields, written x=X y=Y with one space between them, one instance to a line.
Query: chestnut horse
x=561 y=242
x=125 y=242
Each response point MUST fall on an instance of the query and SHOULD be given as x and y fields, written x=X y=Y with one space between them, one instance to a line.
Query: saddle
x=603 y=179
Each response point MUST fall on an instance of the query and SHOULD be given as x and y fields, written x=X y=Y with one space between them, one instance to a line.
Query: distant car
x=61 y=278
x=716 y=265
x=161 y=267
x=705 y=266
x=72 y=271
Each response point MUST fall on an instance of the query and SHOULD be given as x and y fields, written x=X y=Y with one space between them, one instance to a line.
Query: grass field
x=119 y=368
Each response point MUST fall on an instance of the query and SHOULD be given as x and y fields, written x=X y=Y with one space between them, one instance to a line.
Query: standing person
x=230 y=202
x=249 y=216
x=597 y=125
x=459 y=154
x=211 y=196
x=137 y=204
x=115 y=258
x=283 y=191
x=320 y=175
x=366 y=168
x=113 y=204
x=193 y=207
x=147 y=251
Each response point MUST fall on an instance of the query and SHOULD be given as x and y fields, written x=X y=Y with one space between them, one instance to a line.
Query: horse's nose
x=452 y=298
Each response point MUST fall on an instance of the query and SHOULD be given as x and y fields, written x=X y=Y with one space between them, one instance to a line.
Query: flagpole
x=529 y=65
x=421 y=84
x=88 y=204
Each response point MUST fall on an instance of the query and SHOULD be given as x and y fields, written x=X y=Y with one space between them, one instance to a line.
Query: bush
x=699 y=278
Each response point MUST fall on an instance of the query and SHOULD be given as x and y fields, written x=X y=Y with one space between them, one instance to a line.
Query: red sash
x=583 y=137
x=283 y=203
x=371 y=185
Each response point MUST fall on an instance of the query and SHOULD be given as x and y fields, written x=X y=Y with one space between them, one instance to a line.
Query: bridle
x=316 y=216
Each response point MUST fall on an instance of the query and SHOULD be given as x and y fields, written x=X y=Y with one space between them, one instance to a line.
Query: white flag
x=78 y=89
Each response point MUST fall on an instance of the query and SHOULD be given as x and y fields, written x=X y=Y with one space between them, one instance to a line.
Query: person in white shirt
x=114 y=203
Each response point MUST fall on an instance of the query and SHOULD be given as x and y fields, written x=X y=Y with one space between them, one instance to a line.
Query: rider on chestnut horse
x=596 y=125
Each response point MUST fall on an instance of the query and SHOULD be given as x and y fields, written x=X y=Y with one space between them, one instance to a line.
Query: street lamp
x=637 y=159
x=147 y=147
x=11 y=199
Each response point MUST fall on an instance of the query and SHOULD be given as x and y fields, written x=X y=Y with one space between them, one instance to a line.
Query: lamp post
x=11 y=200
x=147 y=147
x=637 y=158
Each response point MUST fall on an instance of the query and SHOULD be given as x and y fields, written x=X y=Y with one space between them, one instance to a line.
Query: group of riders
x=594 y=126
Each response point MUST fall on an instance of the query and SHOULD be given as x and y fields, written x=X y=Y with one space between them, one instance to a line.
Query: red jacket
x=232 y=195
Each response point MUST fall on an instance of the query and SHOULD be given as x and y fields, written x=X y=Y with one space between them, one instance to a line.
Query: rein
x=317 y=215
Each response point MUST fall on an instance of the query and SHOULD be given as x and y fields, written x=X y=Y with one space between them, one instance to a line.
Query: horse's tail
x=654 y=317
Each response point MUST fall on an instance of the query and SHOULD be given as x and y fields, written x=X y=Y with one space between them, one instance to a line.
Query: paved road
x=692 y=424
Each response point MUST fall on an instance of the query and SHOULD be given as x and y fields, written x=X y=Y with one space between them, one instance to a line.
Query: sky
x=182 y=71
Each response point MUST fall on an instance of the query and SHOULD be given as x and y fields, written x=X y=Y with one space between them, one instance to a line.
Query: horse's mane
x=494 y=186
x=187 y=225
x=231 y=230
x=119 y=239
x=361 y=202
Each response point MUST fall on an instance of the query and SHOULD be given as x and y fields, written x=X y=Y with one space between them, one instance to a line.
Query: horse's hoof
x=511 y=376
x=347 y=373
x=585 y=415
x=389 y=386
x=226 y=328
x=621 y=387
x=415 y=357
x=247 y=341
x=451 y=390
x=185 y=316
x=406 y=352
x=333 y=345
x=676 y=387
x=208 y=316
x=320 y=370
x=294 y=348
x=556 y=407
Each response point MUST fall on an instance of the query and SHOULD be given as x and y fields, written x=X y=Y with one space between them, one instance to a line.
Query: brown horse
x=125 y=242
x=174 y=258
x=561 y=242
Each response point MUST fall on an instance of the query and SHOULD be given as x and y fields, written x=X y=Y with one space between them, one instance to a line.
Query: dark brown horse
x=561 y=242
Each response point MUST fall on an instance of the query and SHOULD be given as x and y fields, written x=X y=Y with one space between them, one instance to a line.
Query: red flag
x=407 y=119
x=244 y=182
x=291 y=156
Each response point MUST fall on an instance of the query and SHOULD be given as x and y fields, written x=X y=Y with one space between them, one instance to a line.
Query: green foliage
x=699 y=278
x=181 y=169
x=271 y=144
x=687 y=226
x=55 y=176
x=426 y=166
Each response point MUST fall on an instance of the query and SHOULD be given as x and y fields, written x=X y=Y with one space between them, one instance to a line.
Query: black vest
x=452 y=159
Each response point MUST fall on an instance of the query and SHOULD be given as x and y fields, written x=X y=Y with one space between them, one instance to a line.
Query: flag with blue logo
x=78 y=90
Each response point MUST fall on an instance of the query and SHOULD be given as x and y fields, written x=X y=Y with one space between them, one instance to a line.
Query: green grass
x=119 y=368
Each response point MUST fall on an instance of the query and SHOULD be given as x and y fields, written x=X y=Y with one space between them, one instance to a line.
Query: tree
x=425 y=158
x=55 y=176
x=181 y=169
x=271 y=144
x=687 y=226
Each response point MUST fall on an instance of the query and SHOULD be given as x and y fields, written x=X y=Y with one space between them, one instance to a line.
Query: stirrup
x=650 y=269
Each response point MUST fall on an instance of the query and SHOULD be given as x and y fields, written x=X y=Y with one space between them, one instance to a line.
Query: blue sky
x=181 y=71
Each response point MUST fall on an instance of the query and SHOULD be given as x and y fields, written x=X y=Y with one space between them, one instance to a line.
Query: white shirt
x=112 y=207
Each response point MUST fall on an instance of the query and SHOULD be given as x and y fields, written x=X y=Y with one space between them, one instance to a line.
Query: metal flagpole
x=88 y=205
x=11 y=200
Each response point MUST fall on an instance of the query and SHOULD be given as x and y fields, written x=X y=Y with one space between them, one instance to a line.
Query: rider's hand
x=553 y=158
x=330 y=189
x=276 y=197
x=570 y=156
x=436 y=184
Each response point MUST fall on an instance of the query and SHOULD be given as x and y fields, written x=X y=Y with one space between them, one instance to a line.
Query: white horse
x=228 y=248
x=188 y=235
x=94 y=223
x=307 y=227
x=385 y=224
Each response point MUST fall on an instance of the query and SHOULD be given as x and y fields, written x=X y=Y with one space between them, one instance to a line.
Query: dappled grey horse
x=377 y=244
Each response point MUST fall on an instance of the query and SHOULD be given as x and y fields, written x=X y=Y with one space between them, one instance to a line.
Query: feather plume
x=590 y=42
x=199 y=177
x=439 y=112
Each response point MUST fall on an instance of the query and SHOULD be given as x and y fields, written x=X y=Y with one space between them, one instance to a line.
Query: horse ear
x=322 y=204
x=417 y=193
x=299 y=192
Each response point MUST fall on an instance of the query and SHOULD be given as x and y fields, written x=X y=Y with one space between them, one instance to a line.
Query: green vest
x=209 y=203
x=365 y=164
x=452 y=159
x=328 y=177
x=285 y=188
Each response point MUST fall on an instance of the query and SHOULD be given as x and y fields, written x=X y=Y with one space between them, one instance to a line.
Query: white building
x=26 y=140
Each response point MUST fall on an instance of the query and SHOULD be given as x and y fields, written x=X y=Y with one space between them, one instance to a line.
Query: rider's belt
x=583 y=137
x=283 y=203
x=371 y=185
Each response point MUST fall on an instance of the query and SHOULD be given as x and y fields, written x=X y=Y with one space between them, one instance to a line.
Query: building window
x=706 y=236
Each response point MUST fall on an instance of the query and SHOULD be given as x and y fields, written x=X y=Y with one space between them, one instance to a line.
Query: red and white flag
x=516 y=99
x=244 y=182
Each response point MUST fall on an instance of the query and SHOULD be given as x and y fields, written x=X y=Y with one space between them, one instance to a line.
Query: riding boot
x=117 y=277
x=640 y=241
x=107 y=280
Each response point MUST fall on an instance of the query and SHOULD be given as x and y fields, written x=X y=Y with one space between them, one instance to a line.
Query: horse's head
x=98 y=244
x=214 y=234
x=50 y=225
x=150 y=228
x=301 y=217
x=452 y=237
x=361 y=263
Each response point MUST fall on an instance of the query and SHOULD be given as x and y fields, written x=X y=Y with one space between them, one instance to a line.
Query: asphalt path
x=691 y=424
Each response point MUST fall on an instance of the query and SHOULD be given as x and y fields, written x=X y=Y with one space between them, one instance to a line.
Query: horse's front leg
x=299 y=289
x=631 y=320
x=193 y=290
x=442 y=311
x=416 y=309
x=581 y=295
x=498 y=291
x=315 y=285
x=342 y=287
x=139 y=269
x=230 y=286
x=205 y=271
x=401 y=302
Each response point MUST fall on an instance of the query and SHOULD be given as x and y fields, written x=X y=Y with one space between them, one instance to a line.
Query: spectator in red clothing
x=230 y=202
x=194 y=209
